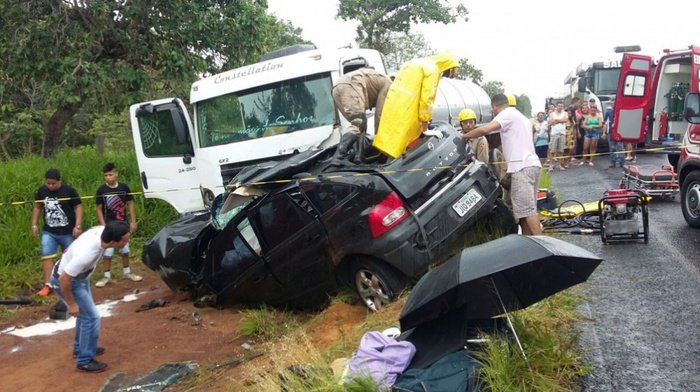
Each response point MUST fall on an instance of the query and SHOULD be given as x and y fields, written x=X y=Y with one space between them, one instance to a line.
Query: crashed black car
x=288 y=233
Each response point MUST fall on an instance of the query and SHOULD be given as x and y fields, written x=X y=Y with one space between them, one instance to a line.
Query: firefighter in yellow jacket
x=408 y=107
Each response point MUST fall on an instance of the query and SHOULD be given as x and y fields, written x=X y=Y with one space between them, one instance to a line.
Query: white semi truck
x=259 y=112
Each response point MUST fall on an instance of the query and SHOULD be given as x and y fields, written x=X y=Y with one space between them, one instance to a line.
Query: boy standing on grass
x=112 y=200
x=63 y=215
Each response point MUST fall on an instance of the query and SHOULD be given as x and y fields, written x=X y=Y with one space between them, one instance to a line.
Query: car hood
x=171 y=250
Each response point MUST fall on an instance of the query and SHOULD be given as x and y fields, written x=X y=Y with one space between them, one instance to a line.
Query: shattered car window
x=223 y=218
x=235 y=202
x=249 y=235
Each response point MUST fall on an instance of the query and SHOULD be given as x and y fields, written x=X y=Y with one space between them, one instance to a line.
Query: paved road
x=643 y=301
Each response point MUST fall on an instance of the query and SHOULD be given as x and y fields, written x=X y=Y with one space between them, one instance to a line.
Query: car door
x=633 y=98
x=295 y=248
x=234 y=268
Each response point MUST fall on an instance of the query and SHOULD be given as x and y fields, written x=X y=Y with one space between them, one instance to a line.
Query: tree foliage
x=403 y=47
x=493 y=87
x=379 y=18
x=60 y=55
x=467 y=71
x=523 y=104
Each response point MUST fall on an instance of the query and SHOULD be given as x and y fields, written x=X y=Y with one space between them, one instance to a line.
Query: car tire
x=377 y=283
x=690 y=198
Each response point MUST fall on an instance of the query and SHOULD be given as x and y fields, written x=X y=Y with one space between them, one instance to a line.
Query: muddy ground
x=139 y=342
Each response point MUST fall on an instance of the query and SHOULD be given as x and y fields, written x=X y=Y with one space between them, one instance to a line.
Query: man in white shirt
x=522 y=162
x=70 y=281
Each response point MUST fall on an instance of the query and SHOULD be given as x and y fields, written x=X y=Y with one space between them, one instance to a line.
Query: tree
x=108 y=51
x=467 y=71
x=523 y=104
x=404 y=47
x=493 y=87
x=379 y=18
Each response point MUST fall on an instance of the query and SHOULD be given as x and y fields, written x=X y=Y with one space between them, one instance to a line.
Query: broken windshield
x=274 y=109
x=227 y=206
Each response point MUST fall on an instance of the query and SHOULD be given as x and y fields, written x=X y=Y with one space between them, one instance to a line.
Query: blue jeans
x=50 y=243
x=87 y=325
x=617 y=152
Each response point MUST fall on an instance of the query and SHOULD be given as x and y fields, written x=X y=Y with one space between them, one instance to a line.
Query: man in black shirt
x=63 y=216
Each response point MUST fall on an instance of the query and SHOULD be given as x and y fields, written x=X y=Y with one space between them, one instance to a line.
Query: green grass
x=550 y=340
x=267 y=323
x=80 y=168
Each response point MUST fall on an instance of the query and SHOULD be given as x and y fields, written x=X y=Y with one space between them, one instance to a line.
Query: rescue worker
x=409 y=103
x=359 y=91
x=479 y=145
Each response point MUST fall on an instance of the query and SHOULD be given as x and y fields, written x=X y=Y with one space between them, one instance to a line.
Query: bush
x=80 y=168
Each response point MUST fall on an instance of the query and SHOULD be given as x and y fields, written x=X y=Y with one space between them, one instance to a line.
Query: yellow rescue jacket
x=409 y=102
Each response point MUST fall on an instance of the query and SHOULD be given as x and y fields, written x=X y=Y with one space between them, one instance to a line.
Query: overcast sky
x=532 y=45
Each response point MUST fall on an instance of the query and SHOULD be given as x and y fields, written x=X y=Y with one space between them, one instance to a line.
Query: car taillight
x=387 y=214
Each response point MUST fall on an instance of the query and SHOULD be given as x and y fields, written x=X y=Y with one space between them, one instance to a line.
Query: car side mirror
x=691 y=112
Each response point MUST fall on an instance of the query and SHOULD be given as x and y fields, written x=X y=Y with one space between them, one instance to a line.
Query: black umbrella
x=507 y=274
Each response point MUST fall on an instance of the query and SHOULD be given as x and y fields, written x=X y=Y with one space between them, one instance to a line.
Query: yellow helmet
x=511 y=100
x=467 y=114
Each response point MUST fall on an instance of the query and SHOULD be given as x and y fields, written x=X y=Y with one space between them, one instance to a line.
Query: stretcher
x=655 y=182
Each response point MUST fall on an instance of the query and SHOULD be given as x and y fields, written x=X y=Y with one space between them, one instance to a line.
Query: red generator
x=624 y=215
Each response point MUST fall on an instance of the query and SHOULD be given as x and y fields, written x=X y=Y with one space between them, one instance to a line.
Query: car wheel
x=377 y=284
x=690 y=198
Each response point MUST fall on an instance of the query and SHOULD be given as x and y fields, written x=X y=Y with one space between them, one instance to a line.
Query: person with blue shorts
x=63 y=215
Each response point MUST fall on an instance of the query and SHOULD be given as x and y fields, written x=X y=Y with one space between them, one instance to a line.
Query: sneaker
x=590 y=163
x=46 y=290
x=133 y=277
x=93 y=366
x=102 y=282
x=582 y=163
x=100 y=351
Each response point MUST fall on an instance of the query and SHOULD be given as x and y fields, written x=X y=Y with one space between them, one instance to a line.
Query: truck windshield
x=605 y=81
x=274 y=109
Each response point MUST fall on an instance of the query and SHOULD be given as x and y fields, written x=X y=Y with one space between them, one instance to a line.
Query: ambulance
x=650 y=100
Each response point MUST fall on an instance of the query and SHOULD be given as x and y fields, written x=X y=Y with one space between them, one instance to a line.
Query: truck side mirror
x=581 y=85
x=691 y=112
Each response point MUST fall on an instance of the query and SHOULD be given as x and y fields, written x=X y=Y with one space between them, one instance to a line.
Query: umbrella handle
x=510 y=324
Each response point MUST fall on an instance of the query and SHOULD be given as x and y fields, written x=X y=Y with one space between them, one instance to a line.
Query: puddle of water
x=49 y=327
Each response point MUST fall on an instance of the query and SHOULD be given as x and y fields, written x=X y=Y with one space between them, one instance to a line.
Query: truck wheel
x=377 y=283
x=690 y=198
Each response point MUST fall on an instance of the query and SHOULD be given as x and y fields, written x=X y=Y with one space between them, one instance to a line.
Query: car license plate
x=467 y=202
